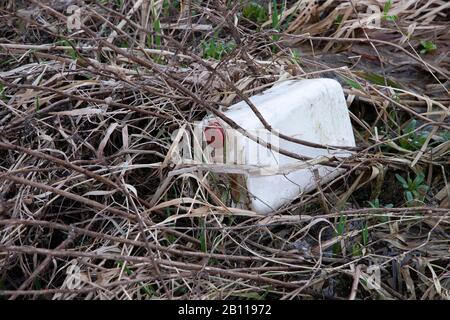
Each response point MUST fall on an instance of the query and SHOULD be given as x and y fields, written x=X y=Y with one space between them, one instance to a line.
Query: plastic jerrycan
x=312 y=110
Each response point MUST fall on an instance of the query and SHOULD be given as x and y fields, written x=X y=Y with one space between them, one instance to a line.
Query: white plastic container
x=311 y=110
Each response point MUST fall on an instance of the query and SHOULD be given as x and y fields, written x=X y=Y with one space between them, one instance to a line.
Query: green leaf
x=410 y=183
x=419 y=179
x=157 y=29
x=72 y=52
x=409 y=196
x=275 y=23
x=341 y=225
x=412 y=140
x=214 y=48
x=340 y=228
x=202 y=237
x=391 y=17
x=127 y=270
x=255 y=12
x=423 y=188
x=375 y=203
x=171 y=238
x=353 y=84
x=338 y=19
x=365 y=235
x=37 y=283
x=445 y=135
x=410 y=127
x=387 y=7
x=402 y=181
x=275 y=16
x=427 y=47
x=148 y=290
x=379 y=80
x=2 y=91
x=356 y=250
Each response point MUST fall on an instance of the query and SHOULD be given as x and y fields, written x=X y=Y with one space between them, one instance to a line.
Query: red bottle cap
x=214 y=131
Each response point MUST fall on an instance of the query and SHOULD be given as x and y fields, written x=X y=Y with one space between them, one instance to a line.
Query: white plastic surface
x=312 y=110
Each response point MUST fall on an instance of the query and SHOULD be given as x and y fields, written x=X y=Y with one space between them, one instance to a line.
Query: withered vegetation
x=91 y=206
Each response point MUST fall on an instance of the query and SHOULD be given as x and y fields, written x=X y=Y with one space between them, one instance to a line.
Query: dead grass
x=86 y=182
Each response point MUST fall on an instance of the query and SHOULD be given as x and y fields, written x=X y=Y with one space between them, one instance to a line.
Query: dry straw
x=91 y=207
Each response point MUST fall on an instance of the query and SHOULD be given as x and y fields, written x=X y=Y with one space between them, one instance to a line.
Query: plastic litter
x=312 y=110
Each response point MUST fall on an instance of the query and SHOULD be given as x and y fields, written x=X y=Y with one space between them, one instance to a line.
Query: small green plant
x=338 y=19
x=216 y=49
x=427 y=47
x=386 y=8
x=445 y=135
x=356 y=250
x=37 y=283
x=376 y=204
x=124 y=45
x=275 y=20
x=202 y=237
x=166 y=7
x=295 y=55
x=127 y=270
x=72 y=52
x=340 y=229
x=170 y=238
x=168 y=4
x=146 y=289
x=413 y=190
x=154 y=40
x=365 y=235
x=255 y=12
x=353 y=84
x=412 y=140
x=378 y=79
x=157 y=29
